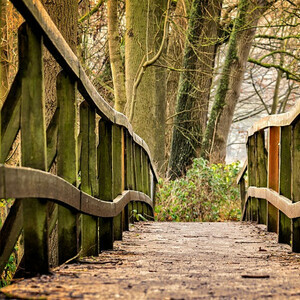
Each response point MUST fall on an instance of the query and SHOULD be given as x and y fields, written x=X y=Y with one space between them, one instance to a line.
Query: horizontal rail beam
x=38 y=18
x=285 y=119
x=19 y=182
x=285 y=205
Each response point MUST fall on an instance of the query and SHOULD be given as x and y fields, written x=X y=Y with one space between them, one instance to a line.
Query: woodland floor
x=178 y=261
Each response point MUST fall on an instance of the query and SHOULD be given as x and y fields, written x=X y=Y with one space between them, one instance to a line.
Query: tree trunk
x=174 y=62
x=115 y=56
x=144 y=33
x=3 y=52
x=228 y=91
x=194 y=85
x=64 y=14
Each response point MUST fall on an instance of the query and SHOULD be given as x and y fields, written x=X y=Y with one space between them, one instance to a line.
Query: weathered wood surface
x=41 y=22
x=19 y=182
x=177 y=261
x=285 y=205
x=285 y=119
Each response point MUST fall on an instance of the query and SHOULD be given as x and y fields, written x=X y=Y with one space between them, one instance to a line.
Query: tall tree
x=116 y=63
x=228 y=91
x=64 y=14
x=146 y=83
x=194 y=84
x=3 y=51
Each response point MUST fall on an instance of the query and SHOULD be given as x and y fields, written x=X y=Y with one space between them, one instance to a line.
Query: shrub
x=207 y=193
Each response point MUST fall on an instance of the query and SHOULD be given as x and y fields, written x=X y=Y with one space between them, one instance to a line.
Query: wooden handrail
x=285 y=205
x=280 y=120
x=21 y=182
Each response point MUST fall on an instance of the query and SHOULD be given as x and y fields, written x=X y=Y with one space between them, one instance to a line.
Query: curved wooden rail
x=20 y=182
x=40 y=21
x=285 y=205
x=284 y=119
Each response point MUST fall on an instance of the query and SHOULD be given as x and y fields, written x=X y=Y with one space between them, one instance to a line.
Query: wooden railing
x=98 y=187
x=273 y=194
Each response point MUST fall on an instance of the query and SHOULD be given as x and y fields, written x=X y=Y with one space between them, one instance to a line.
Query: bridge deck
x=178 y=261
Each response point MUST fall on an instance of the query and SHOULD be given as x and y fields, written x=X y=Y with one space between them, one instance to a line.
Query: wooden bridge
x=117 y=181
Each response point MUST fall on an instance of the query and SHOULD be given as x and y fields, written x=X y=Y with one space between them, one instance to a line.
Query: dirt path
x=178 y=261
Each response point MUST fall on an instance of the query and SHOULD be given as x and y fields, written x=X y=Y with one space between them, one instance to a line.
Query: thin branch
x=91 y=12
x=288 y=73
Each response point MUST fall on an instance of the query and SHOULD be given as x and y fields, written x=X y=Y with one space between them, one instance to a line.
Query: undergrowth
x=207 y=193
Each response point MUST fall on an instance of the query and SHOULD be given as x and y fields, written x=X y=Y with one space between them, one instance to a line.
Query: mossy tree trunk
x=115 y=55
x=144 y=34
x=64 y=14
x=228 y=91
x=3 y=51
x=194 y=84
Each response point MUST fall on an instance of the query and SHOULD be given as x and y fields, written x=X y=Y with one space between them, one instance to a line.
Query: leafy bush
x=207 y=193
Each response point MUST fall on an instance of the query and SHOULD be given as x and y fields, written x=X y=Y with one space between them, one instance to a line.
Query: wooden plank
x=88 y=164
x=273 y=175
x=284 y=230
x=105 y=178
x=296 y=183
x=118 y=174
x=20 y=182
x=138 y=168
x=252 y=166
x=10 y=232
x=261 y=174
x=242 y=185
x=10 y=117
x=52 y=139
x=33 y=151
x=67 y=163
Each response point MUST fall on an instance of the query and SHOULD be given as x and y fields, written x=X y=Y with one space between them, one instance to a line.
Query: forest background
x=191 y=76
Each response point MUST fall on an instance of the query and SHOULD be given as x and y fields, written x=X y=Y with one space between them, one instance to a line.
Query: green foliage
x=9 y=271
x=207 y=193
x=137 y=216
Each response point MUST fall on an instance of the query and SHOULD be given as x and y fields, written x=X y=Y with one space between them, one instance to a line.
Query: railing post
x=129 y=174
x=88 y=162
x=104 y=156
x=284 y=230
x=33 y=152
x=118 y=175
x=273 y=176
x=68 y=229
x=252 y=176
x=296 y=183
x=261 y=174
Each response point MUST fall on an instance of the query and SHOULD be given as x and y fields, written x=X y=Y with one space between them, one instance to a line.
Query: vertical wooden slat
x=273 y=175
x=118 y=178
x=284 y=230
x=68 y=243
x=88 y=176
x=296 y=183
x=242 y=185
x=33 y=151
x=104 y=157
x=261 y=174
x=252 y=175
